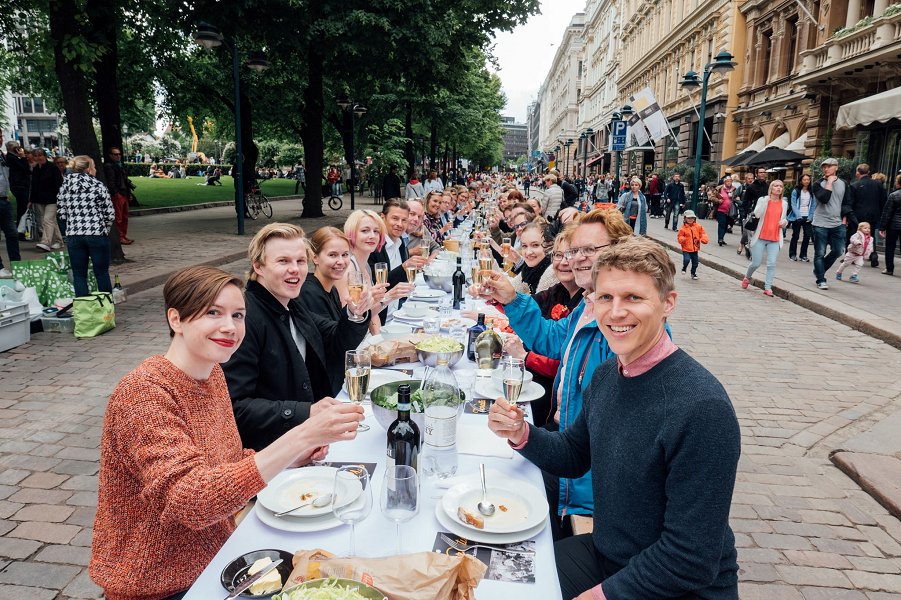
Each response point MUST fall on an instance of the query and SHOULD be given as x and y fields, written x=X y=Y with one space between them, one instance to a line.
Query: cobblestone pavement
x=801 y=384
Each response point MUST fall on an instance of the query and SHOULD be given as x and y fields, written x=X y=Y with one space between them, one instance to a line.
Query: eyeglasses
x=558 y=256
x=586 y=251
x=521 y=226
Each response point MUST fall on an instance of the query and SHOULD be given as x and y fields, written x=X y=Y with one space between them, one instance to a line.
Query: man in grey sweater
x=661 y=438
x=834 y=201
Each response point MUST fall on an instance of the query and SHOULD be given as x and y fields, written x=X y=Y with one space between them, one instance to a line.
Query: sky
x=525 y=54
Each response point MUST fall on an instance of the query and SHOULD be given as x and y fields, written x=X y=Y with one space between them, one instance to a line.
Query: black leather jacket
x=891 y=214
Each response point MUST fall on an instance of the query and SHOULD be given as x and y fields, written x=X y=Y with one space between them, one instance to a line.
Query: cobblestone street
x=801 y=384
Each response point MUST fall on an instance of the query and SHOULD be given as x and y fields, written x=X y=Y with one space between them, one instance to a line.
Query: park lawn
x=155 y=193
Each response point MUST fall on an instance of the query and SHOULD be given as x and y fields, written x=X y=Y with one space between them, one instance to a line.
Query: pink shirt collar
x=663 y=348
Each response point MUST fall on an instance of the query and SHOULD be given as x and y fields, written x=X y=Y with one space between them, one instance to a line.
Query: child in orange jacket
x=691 y=236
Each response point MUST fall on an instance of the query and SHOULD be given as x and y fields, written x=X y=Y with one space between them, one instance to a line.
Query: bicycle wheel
x=335 y=203
x=253 y=207
x=265 y=207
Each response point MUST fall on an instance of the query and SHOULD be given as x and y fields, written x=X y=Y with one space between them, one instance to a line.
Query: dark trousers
x=298 y=184
x=8 y=227
x=21 y=194
x=580 y=566
x=690 y=257
x=95 y=248
x=891 y=240
x=722 y=221
x=525 y=190
x=834 y=237
x=655 y=205
x=671 y=208
x=799 y=225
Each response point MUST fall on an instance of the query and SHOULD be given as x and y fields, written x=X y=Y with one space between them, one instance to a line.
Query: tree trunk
x=251 y=152
x=408 y=133
x=446 y=167
x=311 y=135
x=106 y=89
x=433 y=145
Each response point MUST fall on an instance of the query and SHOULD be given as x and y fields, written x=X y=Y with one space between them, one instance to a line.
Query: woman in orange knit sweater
x=172 y=470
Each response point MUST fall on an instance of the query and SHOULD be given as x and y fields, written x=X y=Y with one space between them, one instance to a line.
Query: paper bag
x=417 y=576
x=394 y=352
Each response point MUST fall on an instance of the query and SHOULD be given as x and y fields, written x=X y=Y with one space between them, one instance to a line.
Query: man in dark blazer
x=391 y=185
x=291 y=359
x=395 y=212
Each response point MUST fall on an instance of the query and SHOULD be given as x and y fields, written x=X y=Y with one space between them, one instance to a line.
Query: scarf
x=414 y=181
x=532 y=275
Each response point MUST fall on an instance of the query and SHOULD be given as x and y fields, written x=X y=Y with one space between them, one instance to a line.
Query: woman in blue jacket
x=634 y=207
x=800 y=215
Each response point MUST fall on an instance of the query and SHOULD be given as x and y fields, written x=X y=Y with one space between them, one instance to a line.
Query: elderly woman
x=84 y=204
x=173 y=473
x=634 y=207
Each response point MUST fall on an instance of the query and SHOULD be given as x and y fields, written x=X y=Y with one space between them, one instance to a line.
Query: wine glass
x=381 y=273
x=505 y=247
x=352 y=513
x=357 y=366
x=513 y=370
x=399 y=499
x=355 y=289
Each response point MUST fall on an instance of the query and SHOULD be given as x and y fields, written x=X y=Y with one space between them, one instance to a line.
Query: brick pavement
x=801 y=385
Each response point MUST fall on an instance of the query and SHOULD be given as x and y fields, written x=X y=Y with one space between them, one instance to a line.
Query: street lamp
x=209 y=36
x=557 y=157
x=585 y=137
x=568 y=143
x=125 y=132
x=356 y=110
x=721 y=64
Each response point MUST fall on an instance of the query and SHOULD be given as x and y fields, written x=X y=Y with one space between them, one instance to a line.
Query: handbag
x=51 y=276
x=28 y=225
x=752 y=223
x=94 y=314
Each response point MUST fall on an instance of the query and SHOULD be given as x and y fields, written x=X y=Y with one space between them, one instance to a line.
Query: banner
x=637 y=130
x=647 y=108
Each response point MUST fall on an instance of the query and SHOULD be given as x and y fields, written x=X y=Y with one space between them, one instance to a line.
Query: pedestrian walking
x=726 y=196
x=85 y=205
x=391 y=184
x=867 y=200
x=801 y=209
x=890 y=226
x=414 y=188
x=300 y=179
x=830 y=219
x=770 y=211
x=691 y=236
x=673 y=200
x=655 y=189
x=120 y=191
x=7 y=222
x=552 y=200
x=46 y=180
x=526 y=182
x=860 y=246
x=634 y=207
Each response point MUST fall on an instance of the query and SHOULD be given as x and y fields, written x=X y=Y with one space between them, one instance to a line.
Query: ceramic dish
x=236 y=571
x=486 y=388
x=518 y=505
x=286 y=489
x=474 y=535
x=295 y=524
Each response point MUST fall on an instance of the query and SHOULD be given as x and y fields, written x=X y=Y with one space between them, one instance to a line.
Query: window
x=580 y=69
x=27 y=106
x=38 y=105
x=792 y=45
x=710 y=51
x=765 y=56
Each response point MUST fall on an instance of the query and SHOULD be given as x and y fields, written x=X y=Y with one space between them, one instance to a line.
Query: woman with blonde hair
x=85 y=205
x=770 y=212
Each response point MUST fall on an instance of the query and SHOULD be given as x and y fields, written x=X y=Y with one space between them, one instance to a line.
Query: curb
x=861 y=325
x=143 y=212
x=877 y=475
x=145 y=284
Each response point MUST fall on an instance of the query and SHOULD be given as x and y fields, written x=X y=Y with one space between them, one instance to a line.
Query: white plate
x=527 y=505
x=467 y=323
x=476 y=535
x=379 y=377
x=283 y=492
x=295 y=524
x=428 y=294
x=486 y=388
x=401 y=314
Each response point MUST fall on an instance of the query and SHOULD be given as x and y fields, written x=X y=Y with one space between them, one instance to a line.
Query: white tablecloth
x=376 y=535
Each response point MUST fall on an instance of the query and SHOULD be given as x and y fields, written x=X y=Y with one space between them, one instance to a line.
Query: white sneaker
x=56 y=246
x=44 y=247
x=5 y=273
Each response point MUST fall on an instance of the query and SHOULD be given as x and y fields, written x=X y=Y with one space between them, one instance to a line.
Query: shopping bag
x=29 y=295
x=28 y=225
x=94 y=314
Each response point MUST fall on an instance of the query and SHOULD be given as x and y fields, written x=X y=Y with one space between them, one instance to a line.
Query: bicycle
x=256 y=202
x=334 y=202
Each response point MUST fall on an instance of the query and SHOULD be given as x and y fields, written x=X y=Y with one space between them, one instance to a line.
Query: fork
x=464 y=547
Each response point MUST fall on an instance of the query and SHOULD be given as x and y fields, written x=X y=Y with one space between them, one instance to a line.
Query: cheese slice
x=269 y=583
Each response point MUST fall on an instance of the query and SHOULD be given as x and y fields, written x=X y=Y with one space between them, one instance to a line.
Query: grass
x=155 y=193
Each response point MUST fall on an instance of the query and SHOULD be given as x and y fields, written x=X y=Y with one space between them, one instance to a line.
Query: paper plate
x=526 y=506
x=285 y=489
x=476 y=535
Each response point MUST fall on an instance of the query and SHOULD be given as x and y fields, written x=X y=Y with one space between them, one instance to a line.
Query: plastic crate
x=61 y=325
x=15 y=328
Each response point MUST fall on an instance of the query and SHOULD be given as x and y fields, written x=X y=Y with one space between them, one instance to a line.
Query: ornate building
x=661 y=41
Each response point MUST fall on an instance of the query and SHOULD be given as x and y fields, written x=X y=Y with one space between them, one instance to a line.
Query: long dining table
x=375 y=536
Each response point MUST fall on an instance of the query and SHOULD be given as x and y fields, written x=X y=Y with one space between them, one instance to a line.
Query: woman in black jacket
x=46 y=180
x=287 y=367
x=890 y=226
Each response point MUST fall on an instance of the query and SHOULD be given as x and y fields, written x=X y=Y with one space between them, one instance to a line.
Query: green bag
x=51 y=277
x=94 y=314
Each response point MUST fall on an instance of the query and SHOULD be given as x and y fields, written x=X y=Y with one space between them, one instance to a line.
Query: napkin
x=478 y=440
x=490 y=475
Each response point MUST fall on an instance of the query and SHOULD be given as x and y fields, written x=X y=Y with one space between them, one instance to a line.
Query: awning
x=881 y=107
x=595 y=160
x=781 y=141
x=798 y=144
x=755 y=146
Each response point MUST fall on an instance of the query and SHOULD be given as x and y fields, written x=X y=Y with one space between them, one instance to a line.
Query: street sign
x=618 y=136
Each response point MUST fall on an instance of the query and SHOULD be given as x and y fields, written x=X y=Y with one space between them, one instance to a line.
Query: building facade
x=32 y=123
x=516 y=139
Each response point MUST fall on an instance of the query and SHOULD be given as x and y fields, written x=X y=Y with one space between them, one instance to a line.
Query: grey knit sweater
x=663 y=450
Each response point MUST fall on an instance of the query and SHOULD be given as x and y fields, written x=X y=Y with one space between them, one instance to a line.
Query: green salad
x=390 y=402
x=330 y=590
x=439 y=344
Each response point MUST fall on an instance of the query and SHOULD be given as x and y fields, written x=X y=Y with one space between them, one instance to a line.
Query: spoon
x=485 y=507
x=320 y=502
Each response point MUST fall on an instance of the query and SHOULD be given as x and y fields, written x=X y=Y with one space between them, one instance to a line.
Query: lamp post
x=209 y=37
x=721 y=64
x=557 y=157
x=356 y=110
x=125 y=133
x=568 y=143
x=586 y=135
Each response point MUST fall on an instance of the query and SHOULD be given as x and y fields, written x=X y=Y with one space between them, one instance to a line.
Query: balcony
x=854 y=49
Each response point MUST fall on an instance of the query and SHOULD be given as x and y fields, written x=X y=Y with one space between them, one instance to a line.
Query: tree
x=289 y=155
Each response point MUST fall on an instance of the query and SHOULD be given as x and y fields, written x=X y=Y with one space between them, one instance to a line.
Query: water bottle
x=441 y=399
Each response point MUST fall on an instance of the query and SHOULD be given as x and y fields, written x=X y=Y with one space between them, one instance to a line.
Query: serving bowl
x=431 y=358
x=439 y=282
x=367 y=591
x=386 y=416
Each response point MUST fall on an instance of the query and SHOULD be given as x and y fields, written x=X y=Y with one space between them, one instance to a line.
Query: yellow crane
x=194 y=155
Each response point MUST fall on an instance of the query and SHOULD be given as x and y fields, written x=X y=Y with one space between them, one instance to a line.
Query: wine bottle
x=474 y=332
x=118 y=285
x=403 y=434
x=459 y=281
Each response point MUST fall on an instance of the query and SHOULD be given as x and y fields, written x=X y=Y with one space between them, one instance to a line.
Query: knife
x=252 y=580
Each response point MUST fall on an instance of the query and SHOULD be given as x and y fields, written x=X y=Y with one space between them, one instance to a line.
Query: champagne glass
x=357 y=365
x=353 y=512
x=411 y=274
x=424 y=250
x=381 y=273
x=505 y=247
x=355 y=289
x=513 y=374
x=476 y=274
x=399 y=498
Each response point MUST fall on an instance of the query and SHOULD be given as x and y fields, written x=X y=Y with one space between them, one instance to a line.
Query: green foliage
x=846 y=168
x=289 y=155
x=827 y=144
x=709 y=173
x=153 y=193
x=269 y=150
x=386 y=148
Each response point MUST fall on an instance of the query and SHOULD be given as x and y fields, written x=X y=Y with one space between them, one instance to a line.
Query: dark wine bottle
x=403 y=434
x=474 y=332
x=459 y=281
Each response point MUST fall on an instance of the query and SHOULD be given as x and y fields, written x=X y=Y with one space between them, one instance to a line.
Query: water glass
x=431 y=325
x=352 y=513
x=399 y=499
x=467 y=380
x=447 y=309
x=458 y=332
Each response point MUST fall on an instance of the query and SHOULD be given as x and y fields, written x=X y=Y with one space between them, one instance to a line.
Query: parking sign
x=618 y=136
